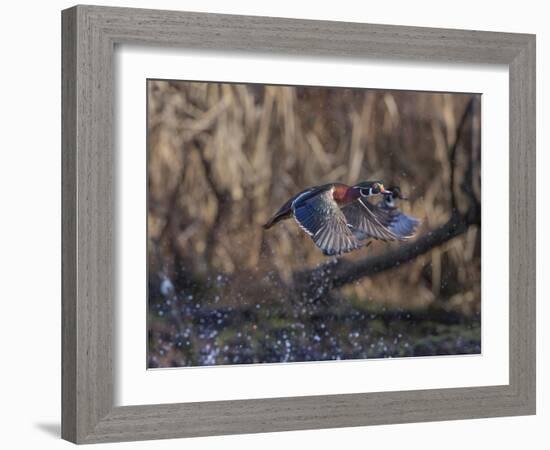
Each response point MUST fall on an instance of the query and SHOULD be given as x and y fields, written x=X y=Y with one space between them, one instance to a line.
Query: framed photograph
x=278 y=224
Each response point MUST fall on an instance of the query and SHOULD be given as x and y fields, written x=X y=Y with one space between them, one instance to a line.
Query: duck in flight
x=337 y=217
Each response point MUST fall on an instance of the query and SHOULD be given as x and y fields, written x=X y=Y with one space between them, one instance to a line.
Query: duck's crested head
x=369 y=188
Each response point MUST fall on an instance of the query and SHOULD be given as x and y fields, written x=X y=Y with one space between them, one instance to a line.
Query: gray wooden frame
x=89 y=36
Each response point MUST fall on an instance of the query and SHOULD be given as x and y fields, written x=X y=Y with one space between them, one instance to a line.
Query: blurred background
x=222 y=158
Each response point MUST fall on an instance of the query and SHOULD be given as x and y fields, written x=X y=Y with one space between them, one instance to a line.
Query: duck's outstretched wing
x=369 y=221
x=321 y=218
x=403 y=226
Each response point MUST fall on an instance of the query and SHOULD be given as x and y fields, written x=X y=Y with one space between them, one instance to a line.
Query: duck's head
x=369 y=188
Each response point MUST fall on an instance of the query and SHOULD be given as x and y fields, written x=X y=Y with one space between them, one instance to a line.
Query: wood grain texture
x=523 y=226
x=88 y=207
x=89 y=36
x=68 y=226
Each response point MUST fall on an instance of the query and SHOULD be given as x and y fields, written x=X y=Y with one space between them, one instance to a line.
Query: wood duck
x=337 y=216
x=401 y=225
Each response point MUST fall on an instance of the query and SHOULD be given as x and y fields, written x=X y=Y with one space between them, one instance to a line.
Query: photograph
x=293 y=224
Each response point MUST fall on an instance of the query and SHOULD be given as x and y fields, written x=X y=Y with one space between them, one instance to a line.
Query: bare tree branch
x=314 y=283
x=452 y=153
